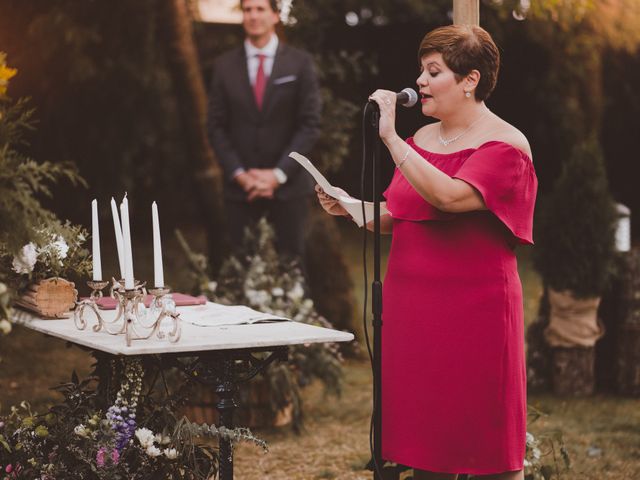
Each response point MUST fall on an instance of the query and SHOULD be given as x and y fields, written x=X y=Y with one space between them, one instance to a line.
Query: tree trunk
x=192 y=98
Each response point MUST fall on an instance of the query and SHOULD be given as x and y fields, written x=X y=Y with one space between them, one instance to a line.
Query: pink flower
x=9 y=468
x=100 y=456
x=115 y=456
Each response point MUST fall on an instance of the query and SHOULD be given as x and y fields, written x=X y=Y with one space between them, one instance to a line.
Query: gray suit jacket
x=243 y=136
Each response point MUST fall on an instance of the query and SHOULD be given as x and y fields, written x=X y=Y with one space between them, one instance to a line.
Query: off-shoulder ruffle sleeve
x=506 y=179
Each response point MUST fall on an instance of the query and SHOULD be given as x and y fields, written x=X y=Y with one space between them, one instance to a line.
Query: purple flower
x=115 y=456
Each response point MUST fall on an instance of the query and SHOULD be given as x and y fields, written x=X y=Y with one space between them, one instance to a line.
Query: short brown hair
x=465 y=48
x=272 y=3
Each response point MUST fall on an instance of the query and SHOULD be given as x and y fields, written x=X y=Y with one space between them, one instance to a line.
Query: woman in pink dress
x=461 y=198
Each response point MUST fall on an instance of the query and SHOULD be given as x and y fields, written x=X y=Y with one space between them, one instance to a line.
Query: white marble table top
x=194 y=338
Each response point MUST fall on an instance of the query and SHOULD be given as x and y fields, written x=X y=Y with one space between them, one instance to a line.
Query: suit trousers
x=287 y=217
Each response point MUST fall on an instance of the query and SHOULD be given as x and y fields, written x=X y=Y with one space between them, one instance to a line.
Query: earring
x=467 y=94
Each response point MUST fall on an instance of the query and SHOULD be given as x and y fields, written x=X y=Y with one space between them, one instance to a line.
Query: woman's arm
x=436 y=187
x=439 y=189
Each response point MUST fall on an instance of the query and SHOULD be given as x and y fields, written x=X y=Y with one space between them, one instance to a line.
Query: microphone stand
x=376 y=291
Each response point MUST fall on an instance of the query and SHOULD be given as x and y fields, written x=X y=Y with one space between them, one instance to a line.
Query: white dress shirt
x=269 y=52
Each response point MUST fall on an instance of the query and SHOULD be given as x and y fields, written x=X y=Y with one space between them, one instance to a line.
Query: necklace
x=447 y=141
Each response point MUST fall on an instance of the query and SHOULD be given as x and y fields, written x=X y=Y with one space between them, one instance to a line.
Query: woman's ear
x=471 y=80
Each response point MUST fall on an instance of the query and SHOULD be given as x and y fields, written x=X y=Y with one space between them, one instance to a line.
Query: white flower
x=171 y=453
x=530 y=438
x=162 y=440
x=145 y=437
x=81 y=431
x=211 y=286
x=296 y=293
x=153 y=451
x=5 y=326
x=277 y=292
x=536 y=454
x=61 y=247
x=26 y=259
x=257 y=297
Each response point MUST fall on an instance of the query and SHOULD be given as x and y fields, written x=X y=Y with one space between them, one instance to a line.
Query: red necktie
x=261 y=82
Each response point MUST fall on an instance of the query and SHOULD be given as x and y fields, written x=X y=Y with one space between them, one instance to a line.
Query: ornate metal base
x=132 y=319
x=224 y=370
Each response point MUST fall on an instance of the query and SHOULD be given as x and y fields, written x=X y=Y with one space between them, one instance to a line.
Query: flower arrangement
x=57 y=251
x=76 y=439
x=265 y=281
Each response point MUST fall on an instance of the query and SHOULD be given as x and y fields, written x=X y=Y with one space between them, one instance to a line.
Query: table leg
x=226 y=406
x=224 y=371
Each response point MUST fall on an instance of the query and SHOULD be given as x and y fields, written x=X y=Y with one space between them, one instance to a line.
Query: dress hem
x=452 y=470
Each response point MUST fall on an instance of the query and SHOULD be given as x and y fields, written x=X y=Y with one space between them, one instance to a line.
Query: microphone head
x=411 y=97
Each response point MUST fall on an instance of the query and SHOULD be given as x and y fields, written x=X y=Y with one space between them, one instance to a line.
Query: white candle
x=117 y=227
x=95 y=236
x=126 y=243
x=158 y=271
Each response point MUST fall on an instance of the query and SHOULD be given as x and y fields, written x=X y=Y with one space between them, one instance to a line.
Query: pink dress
x=453 y=364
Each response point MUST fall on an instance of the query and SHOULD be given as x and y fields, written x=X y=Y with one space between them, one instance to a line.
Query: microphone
x=407 y=97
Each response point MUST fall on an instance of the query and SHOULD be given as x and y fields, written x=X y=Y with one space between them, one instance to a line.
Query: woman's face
x=440 y=93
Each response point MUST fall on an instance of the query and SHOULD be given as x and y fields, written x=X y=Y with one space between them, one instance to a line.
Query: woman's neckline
x=469 y=149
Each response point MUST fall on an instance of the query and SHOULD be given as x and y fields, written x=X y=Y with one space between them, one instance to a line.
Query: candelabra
x=132 y=318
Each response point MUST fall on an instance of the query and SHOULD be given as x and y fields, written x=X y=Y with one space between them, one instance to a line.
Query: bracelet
x=404 y=159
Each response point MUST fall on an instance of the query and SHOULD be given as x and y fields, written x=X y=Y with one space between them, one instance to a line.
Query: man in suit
x=264 y=103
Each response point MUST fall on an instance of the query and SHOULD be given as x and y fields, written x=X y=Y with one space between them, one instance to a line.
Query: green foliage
x=23 y=180
x=23 y=219
x=259 y=278
x=575 y=226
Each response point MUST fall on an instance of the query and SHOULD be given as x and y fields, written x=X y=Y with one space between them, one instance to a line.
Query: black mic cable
x=376 y=388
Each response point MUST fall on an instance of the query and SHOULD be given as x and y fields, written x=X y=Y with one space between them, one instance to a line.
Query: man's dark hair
x=272 y=3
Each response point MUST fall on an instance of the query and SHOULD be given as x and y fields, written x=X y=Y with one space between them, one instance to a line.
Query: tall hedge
x=576 y=226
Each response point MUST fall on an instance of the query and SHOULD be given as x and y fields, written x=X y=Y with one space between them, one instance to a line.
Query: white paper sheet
x=350 y=204
x=214 y=314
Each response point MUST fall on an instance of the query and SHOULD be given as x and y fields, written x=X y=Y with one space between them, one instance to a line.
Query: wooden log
x=614 y=311
x=539 y=357
x=466 y=12
x=627 y=372
x=629 y=360
x=573 y=371
x=49 y=298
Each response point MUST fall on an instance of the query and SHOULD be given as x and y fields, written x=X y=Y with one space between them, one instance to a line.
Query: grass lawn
x=335 y=442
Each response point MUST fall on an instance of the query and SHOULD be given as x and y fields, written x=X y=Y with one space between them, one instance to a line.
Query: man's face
x=258 y=19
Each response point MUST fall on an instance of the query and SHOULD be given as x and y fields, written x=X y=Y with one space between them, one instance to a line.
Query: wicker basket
x=49 y=298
